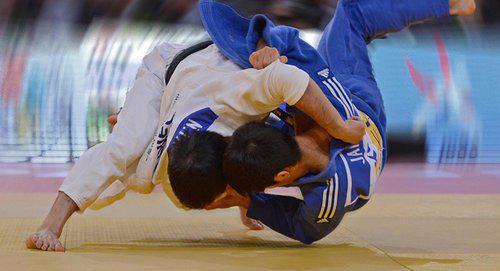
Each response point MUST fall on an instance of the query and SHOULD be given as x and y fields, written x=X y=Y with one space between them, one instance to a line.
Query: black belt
x=280 y=113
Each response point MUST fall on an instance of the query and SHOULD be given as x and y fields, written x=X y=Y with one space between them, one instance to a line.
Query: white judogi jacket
x=206 y=92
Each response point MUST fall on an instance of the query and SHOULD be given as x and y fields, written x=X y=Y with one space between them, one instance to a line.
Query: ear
x=282 y=176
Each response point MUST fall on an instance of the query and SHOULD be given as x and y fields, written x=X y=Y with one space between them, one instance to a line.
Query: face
x=232 y=198
x=227 y=199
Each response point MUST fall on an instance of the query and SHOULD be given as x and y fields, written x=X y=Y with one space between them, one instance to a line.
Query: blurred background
x=65 y=65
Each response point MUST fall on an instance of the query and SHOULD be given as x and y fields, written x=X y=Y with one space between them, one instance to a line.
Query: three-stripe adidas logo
x=329 y=203
x=323 y=220
x=324 y=73
x=340 y=94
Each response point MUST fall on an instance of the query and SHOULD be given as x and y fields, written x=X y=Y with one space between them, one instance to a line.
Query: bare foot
x=44 y=240
x=462 y=7
x=250 y=223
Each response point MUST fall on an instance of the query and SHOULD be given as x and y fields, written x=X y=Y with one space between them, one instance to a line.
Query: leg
x=343 y=47
x=47 y=235
x=112 y=160
x=358 y=21
x=343 y=44
x=384 y=16
x=378 y=17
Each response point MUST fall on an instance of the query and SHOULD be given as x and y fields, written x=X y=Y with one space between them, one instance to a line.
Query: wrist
x=339 y=130
x=260 y=44
x=245 y=203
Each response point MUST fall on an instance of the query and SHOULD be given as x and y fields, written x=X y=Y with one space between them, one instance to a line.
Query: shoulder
x=168 y=50
x=211 y=57
x=160 y=57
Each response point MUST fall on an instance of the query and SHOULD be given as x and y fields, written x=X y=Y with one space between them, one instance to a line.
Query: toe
x=58 y=247
x=34 y=238
x=45 y=245
x=39 y=243
x=52 y=246
x=30 y=242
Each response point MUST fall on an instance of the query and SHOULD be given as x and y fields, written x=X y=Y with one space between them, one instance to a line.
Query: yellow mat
x=146 y=233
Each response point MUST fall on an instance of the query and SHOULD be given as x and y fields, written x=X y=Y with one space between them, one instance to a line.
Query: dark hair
x=255 y=154
x=195 y=168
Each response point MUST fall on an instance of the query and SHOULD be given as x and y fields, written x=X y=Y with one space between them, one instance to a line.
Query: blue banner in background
x=57 y=93
x=442 y=86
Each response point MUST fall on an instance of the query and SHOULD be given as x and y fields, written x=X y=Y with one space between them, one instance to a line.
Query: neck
x=314 y=145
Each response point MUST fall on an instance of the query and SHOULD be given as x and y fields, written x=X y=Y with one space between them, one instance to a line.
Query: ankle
x=50 y=228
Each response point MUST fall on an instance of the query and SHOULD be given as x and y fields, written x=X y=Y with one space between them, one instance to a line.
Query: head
x=260 y=156
x=195 y=168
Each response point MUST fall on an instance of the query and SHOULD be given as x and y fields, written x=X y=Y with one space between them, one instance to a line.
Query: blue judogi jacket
x=237 y=37
x=347 y=183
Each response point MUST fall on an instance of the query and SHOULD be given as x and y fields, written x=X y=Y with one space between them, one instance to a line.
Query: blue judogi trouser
x=355 y=24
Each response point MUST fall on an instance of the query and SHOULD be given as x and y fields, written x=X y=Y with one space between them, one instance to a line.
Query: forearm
x=277 y=215
x=296 y=88
x=288 y=216
x=315 y=104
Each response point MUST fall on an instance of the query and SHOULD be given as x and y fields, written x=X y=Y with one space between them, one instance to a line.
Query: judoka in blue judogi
x=342 y=68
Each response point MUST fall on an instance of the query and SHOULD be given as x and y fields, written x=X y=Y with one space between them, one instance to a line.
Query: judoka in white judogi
x=206 y=92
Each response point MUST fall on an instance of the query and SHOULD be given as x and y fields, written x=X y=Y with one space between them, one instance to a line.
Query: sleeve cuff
x=298 y=86
x=257 y=206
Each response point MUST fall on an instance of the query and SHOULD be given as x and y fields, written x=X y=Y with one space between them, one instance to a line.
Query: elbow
x=315 y=233
x=308 y=239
